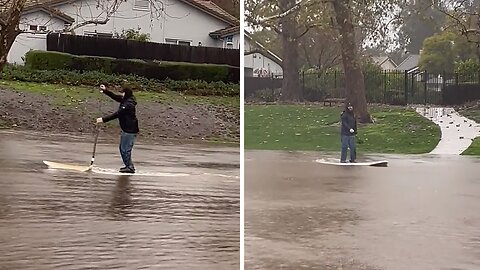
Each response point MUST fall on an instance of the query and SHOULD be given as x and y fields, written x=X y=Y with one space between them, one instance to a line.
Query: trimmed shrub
x=95 y=78
x=45 y=60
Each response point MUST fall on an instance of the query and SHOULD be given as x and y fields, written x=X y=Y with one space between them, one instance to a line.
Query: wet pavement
x=184 y=213
x=458 y=132
x=421 y=212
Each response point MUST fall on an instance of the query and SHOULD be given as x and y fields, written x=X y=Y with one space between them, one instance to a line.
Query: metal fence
x=386 y=87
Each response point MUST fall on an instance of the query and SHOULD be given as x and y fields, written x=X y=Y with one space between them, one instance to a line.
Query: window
x=33 y=27
x=229 y=42
x=141 y=5
x=97 y=34
x=184 y=43
x=171 y=41
x=178 y=42
x=42 y=28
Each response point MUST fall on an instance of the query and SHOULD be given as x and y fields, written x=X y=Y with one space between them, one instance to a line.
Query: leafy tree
x=354 y=23
x=442 y=51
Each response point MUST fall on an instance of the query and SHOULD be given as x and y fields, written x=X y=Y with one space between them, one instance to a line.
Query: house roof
x=225 y=32
x=380 y=60
x=206 y=6
x=214 y=10
x=52 y=11
x=265 y=54
x=410 y=62
x=262 y=50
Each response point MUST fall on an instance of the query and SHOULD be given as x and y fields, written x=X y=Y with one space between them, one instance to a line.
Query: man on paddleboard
x=348 y=132
x=127 y=118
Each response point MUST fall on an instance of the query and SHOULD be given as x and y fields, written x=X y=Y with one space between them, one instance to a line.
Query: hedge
x=47 y=60
x=95 y=78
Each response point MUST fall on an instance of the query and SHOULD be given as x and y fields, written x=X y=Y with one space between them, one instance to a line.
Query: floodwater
x=422 y=212
x=187 y=217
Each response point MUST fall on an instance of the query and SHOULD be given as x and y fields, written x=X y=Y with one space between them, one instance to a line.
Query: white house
x=260 y=62
x=182 y=22
x=384 y=62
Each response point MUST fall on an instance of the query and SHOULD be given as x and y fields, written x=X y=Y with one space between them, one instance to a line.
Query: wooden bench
x=333 y=100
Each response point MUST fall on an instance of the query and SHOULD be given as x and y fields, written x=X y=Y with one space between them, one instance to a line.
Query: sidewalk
x=458 y=132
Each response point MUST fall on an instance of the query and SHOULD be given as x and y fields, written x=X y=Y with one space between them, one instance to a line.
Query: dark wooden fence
x=131 y=49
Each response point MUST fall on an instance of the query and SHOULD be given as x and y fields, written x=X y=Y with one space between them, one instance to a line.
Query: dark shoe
x=127 y=170
x=353 y=161
x=343 y=161
x=122 y=169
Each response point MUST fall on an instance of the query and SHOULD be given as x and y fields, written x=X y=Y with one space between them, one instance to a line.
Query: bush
x=95 y=78
x=45 y=60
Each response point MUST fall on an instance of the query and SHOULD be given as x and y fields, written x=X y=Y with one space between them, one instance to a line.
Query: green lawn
x=474 y=114
x=298 y=127
x=66 y=95
x=474 y=149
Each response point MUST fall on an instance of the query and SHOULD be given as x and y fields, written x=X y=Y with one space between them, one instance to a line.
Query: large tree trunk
x=9 y=20
x=290 y=84
x=354 y=81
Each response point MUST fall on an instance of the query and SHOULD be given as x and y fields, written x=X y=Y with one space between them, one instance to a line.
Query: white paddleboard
x=382 y=163
x=64 y=166
x=138 y=173
x=80 y=168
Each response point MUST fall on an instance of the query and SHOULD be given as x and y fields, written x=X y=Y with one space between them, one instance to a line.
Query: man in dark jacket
x=348 y=132
x=126 y=115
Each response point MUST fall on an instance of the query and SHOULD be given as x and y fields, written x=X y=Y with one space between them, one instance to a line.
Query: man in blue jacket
x=348 y=132
x=126 y=115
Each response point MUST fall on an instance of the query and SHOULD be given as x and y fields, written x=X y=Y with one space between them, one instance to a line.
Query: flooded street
x=183 y=213
x=421 y=212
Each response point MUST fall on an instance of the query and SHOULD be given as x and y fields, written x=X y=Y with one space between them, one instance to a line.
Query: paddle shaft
x=94 y=146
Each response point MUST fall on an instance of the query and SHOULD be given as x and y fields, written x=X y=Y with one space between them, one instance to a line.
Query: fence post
x=406 y=87
x=335 y=79
x=425 y=87
x=303 y=83
x=444 y=85
x=456 y=78
x=385 y=88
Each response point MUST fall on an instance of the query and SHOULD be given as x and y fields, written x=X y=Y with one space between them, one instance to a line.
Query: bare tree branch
x=291 y=10
x=82 y=24
x=307 y=28
x=296 y=7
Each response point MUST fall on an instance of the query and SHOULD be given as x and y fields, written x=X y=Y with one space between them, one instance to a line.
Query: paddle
x=95 y=146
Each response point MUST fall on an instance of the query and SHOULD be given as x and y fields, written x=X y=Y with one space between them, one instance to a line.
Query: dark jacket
x=348 y=122
x=126 y=113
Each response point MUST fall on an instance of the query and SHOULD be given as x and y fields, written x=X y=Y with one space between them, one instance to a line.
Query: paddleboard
x=93 y=169
x=382 y=163
x=138 y=173
x=64 y=166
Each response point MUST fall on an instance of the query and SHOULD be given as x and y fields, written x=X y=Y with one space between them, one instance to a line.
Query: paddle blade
x=64 y=166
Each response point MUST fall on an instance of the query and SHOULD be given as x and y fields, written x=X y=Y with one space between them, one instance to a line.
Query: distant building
x=259 y=61
x=384 y=62
x=410 y=64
